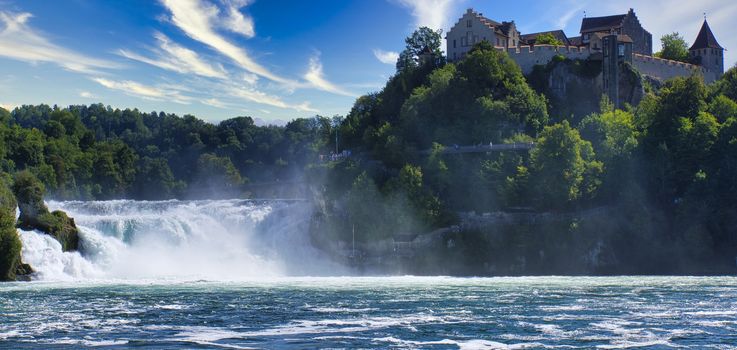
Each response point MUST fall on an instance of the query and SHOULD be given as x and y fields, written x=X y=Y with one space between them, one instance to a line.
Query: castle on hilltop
x=611 y=39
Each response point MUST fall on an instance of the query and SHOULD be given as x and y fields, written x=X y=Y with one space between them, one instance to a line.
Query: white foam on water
x=218 y=240
x=45 y=255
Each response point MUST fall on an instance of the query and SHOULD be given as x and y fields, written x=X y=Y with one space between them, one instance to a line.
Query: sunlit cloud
x=269 y=100
x=213 y=102
x=86 y=94
x=8 y=106
x=198 y=19
x=386 y=57
x=136 y=89
x=435 y=14
x=235 y=21
x=21 y=42
x=173 y=57
x=316 y=77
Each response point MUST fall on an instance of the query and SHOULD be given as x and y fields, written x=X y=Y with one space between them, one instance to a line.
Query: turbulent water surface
x=401 y=312
x=232 y=274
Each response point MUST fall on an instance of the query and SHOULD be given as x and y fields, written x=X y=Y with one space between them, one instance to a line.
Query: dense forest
x=663 y=171
x=96 y=152
x=666 y=167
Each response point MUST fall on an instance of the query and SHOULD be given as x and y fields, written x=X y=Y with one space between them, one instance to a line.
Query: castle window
x=454 y=43
x=454 y=55
x=497 y=42
x=468 y=23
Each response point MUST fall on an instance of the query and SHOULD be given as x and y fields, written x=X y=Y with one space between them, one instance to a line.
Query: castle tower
x=707 y=52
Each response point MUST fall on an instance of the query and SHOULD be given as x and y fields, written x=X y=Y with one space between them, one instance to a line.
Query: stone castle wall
x=528 y=57
x=663 y=69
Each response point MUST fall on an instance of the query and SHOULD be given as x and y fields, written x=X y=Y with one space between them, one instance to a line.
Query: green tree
x=727 y=84
x=723 y=108
x=154 y=180
x=216 y=174
x=547 y=39
x=563 y=168
x=613 y=134
x=366 y=208
x=424 y=43
x=674 y=48
x=10 y=245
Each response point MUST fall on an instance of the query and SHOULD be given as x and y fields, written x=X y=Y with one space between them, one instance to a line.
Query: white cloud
x=198 y=20
x=269 y=100
x=316 y=77
x=144 y=91
x=86 y=94
x=8 y=106
x=386 y=57
x=236 y=21
x=563 y=20
x=250 y=78
x=435 y=14
x=21 y=42
x=214 y=103
x=174 y=57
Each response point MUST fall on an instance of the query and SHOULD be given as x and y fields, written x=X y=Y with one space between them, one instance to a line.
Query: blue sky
x=274 y=60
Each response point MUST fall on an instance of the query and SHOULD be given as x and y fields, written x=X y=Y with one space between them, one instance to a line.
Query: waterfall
x=210 y=240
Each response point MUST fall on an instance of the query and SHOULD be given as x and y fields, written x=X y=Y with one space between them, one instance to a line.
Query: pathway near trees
x=454 y=149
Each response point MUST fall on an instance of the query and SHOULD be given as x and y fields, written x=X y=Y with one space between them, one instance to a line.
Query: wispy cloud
x=269 y=100
x=144 y=91
x=213 y=102
x=435 y=14
x=236 y=21
x=386 y=57
x=198 y=20
x=174 y=57
x=86 y=94
x=316 y=77
x=21 y=42
x=562 y=21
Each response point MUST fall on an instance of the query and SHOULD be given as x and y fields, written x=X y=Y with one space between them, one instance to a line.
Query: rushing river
x=234 y=274
x=392 y=312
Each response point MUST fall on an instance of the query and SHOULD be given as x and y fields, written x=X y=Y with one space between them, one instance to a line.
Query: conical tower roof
x=705 y=39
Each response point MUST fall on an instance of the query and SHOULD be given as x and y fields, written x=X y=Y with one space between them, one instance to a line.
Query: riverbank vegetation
x=666 y=166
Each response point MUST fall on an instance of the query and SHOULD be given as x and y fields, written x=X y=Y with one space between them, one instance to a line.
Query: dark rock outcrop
x=34 y=215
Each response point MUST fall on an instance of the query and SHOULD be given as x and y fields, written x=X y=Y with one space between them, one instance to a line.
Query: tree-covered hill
x=665 y=168
x=96 y=152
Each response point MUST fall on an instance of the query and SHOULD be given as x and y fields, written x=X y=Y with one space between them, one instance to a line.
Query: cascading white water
x=211 y=240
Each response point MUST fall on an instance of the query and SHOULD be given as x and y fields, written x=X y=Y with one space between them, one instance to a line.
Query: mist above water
x=210 y=240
